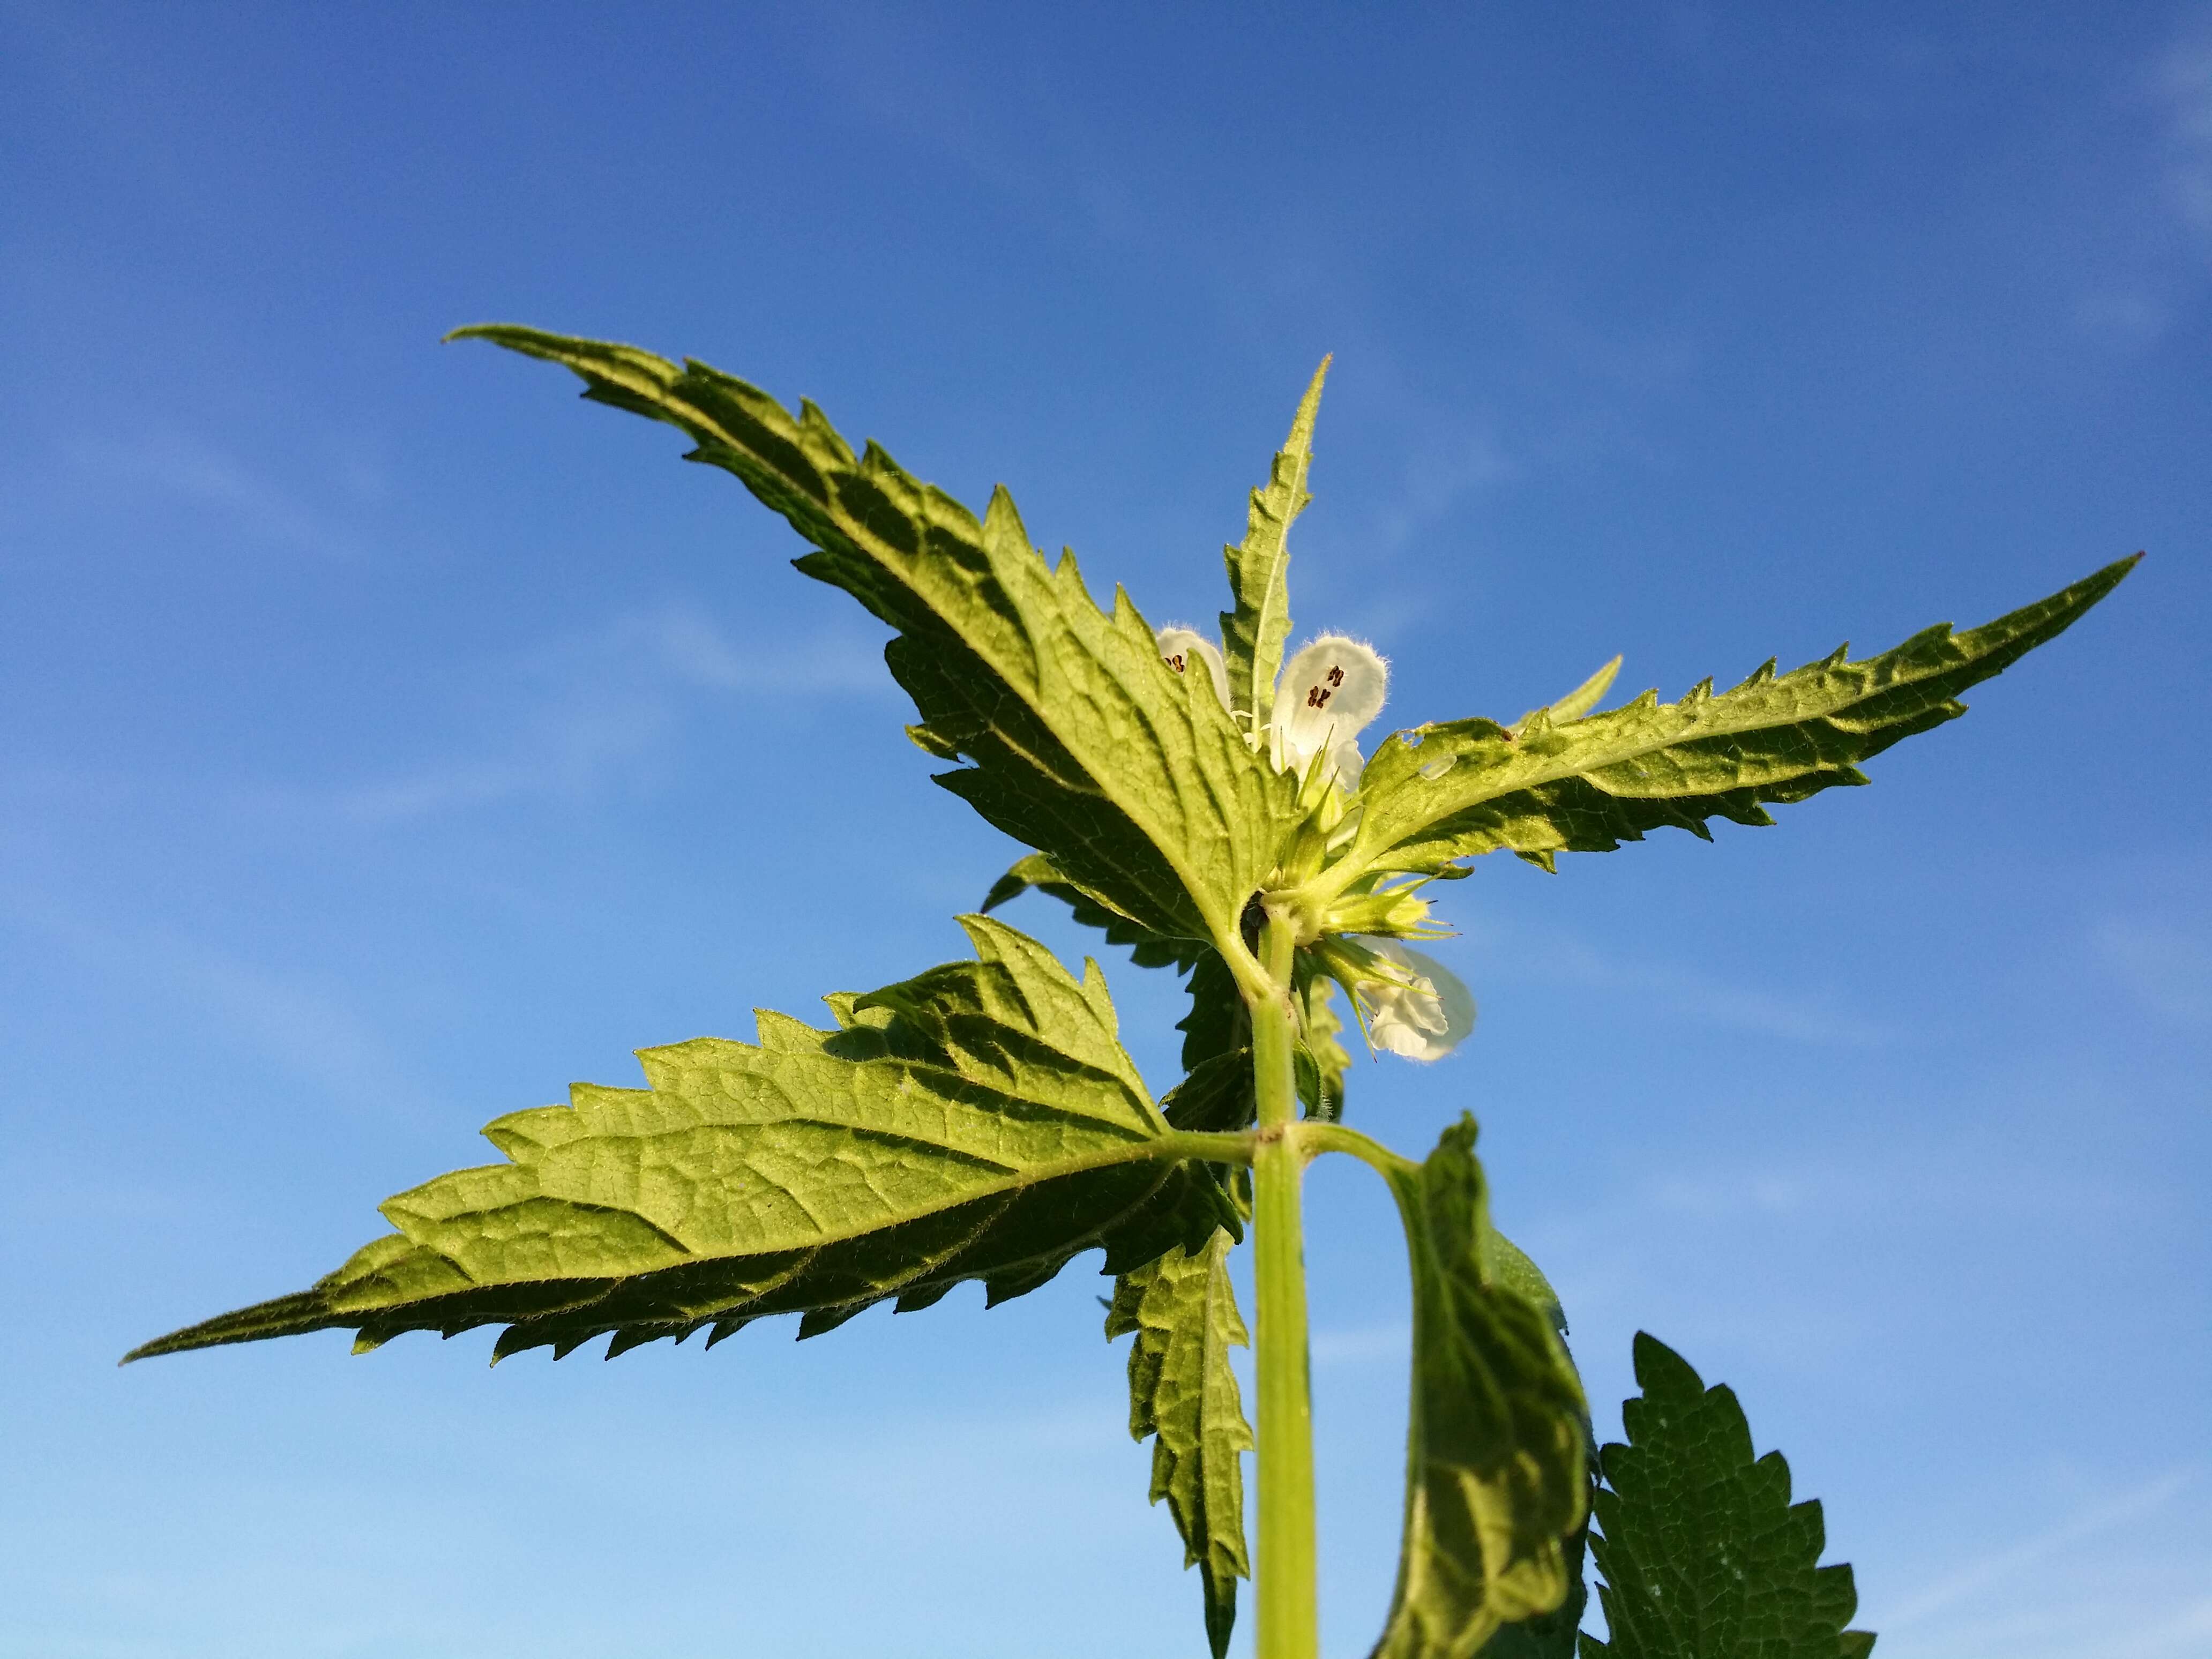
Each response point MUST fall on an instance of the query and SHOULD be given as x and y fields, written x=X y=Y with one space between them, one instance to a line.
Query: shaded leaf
x=1704 y=1555
x=1146 y=948
x=1253 y=633
x=1549 y=1635
x=1446 y=792
x=1182 y=1311
x=1496 y=1474
x=1218 y=1022
x=1319 y=1060
x=1085 y=745
x=981 y=1121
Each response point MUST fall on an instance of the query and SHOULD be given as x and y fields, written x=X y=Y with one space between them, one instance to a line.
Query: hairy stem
x=1288 y=1624
x=1336 y=1138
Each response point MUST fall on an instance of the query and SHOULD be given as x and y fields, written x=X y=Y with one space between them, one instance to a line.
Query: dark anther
x=1336 y=677
x=1254 y=918
x=1317 y=696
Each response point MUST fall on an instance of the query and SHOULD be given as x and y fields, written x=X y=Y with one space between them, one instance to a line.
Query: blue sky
x=392 y=740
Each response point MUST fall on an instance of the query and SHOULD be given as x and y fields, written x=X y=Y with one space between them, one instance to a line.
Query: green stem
x=1287 y=1623
x=1209 y=1147
x=1336 y=1138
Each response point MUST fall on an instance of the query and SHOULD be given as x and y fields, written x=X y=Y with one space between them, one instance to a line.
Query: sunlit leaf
x=981 y=1121
x=1440 y=793
x=1254 y=632
x=1084 y=744
x=1182 y=1311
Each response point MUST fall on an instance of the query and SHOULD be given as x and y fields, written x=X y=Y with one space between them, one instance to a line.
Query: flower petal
x=1327 y=692
x=1424 y=1019
x=1181 y=647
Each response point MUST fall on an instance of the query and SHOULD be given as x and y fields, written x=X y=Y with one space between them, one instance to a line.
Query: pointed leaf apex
x=1302 y=424
x=1658 y=1366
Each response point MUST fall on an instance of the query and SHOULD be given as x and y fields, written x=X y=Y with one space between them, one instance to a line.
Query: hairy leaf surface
x=1252 y=634
x=1182 y=1311
x=981 y=1121
x=1704 y=1555
x=1446 y=792
x=1495 y=1478
x=1085 y=745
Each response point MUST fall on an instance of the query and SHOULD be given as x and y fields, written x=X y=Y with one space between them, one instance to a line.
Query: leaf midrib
x=1016 y=1180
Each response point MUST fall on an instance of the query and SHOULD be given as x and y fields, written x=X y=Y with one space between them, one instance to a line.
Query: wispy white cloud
x=305 y=1032
x=581 y=711
x=172 y=465
x=1795 y=1015
x=2167 y=968
x=2000 y=1568
x=2183 y=83
x=692 y=649
x=2128 y=317
x=1436 y=480
x=568 y=752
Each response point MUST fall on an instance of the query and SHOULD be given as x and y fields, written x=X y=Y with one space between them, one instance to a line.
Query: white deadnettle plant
x=1407 y=1003
x=983 y=1120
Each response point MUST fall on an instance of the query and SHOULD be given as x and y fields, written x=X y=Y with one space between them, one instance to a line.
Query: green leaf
x=1218 y=1022
x=1253 y=634
x=981 y=1121
x=1446 y=792
x=1704 y=1555
x=1146 y=948
x=1506 y=1264
x=1182 y=1311
x=1495 y=1478
x=1319 y=1060
x=1085 y=745
x=1577 y=703
x=1548 y=1635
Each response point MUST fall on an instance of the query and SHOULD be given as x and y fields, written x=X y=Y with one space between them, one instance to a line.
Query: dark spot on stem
x=1254 y=918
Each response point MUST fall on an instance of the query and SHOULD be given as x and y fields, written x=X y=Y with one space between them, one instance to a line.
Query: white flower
x=1325 y=697
x=1424 y=1015
x=1181 y=647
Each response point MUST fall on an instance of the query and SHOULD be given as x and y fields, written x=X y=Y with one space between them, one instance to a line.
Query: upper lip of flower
x=1327 y=693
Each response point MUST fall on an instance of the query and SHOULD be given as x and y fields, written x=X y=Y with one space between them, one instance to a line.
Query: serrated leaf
x=1496 y=1474
x=1702 y=1553
x=1146 y=948
x=981 y=1121
x=1446 y=791
x=1085 y=745
x=1182 y=1310
x=1319 y=1060
x=1253 y=633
